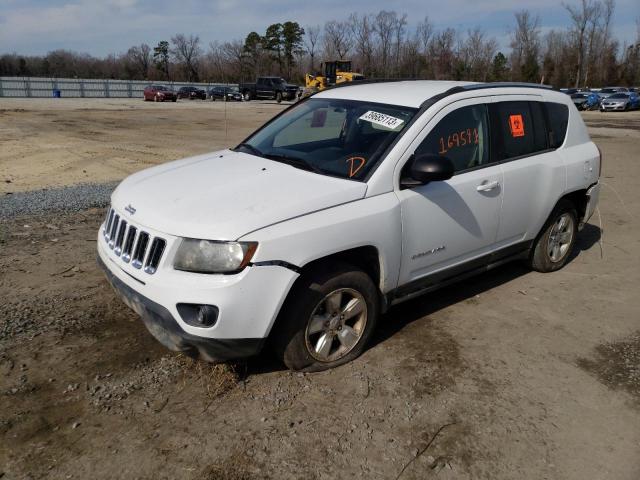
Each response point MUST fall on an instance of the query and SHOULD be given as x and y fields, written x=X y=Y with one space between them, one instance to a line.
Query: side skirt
x=451 y=275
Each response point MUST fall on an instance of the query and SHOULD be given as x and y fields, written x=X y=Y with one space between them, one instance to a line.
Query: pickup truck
x=268 y=88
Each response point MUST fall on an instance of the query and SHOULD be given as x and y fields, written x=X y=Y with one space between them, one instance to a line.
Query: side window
x=522 y=128
x=558 y=115
x=462 y=136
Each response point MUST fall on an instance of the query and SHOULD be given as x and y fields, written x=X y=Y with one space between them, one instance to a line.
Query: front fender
x=374 y=221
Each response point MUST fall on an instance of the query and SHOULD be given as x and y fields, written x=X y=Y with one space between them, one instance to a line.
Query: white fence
x=80 y=87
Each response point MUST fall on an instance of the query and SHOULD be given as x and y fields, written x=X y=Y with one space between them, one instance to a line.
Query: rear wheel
x=327 y=319
x=279 y=97
x=246 y=96
x=553 y=246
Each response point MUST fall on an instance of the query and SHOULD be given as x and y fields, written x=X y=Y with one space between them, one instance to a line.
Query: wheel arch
x=579 y=199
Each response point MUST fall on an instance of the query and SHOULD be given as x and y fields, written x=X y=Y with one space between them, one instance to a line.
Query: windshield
x=618 y=95
x=608 y=90
x=579 y=95
x=343 y=138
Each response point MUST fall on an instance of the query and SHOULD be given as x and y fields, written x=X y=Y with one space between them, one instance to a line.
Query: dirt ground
x=512 y=374
x=53 y=142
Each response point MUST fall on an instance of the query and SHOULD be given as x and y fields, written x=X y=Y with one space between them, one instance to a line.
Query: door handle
x=487 y=186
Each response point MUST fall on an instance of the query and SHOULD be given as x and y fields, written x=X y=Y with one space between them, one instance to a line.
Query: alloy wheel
x=560 y=237
x=336 y=325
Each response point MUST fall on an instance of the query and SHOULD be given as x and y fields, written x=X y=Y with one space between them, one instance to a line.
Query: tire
x=174 y=100
x=246 y=96
x=279 y=97
x=554 y=244
x=308 y=337
x=155 y=98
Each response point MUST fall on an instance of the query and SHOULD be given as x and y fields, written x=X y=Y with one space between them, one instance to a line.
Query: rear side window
x=521 y=128
x=558 y=115
x=462 y=136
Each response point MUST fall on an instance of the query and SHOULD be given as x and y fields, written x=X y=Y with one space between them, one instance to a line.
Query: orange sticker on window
x=356 y=164
x=516 y=125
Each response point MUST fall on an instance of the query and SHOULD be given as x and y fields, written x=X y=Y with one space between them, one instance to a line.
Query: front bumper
x=248 y=302
x=164 y=328
x=616 y=107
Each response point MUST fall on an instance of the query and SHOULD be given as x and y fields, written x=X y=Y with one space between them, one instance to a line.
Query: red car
x=159 y=93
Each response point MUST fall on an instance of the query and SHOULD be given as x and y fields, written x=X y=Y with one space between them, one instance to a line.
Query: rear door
x=451 y=223
x=534 y=173
x=264 y=88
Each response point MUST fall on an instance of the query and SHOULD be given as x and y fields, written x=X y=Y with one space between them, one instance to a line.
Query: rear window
x=558 y=116
x=521 y=127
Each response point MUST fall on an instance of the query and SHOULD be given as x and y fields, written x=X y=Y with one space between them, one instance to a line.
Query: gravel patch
x=71 y=199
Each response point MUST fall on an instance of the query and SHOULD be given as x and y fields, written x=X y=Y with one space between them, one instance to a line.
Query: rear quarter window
x=558 y=116
x=521 y=128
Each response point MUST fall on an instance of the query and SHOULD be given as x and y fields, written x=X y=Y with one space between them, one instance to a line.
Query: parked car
x=586 y=100
x=159 y=93
x=225 y=93
x=270 y=88
x=608 y=91
x=192 y=93
x=569 y=91
x=351 y=201
x=620 y=101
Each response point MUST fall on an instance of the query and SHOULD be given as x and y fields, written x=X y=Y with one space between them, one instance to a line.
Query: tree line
x=380 y=45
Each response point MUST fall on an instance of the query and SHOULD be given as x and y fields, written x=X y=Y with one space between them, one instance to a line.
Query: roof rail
x=479 y=86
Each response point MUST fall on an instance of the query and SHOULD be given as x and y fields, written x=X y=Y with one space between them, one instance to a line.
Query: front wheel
x=279 y=97
x=246 y=96
x=327 y=319
x=553 y=246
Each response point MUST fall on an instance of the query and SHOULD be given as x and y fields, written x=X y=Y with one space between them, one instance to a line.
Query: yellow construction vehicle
x=335 y=73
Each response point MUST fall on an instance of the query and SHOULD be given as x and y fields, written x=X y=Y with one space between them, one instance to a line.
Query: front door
x=449 y=223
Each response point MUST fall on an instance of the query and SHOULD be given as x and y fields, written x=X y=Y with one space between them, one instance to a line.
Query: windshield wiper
x=294 y=162
x=251 y=148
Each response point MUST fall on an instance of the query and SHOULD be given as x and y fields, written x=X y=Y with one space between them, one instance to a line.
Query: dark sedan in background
x=159 y=93
x=225 y=93
x=192 y=93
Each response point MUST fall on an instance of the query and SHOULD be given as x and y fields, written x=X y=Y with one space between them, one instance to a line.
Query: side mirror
x=427 y=168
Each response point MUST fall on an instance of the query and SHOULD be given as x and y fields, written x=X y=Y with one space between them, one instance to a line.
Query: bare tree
x=442 y=53
x=399 y=32
x=384 y=25
x=362 y=32
x=525 y=47
x=337 y=39
x=141 y=58
x=187 y=51
x=311 y=40
x=581 y=16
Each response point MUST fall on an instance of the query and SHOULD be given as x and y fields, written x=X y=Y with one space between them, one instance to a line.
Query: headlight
x=209 y=256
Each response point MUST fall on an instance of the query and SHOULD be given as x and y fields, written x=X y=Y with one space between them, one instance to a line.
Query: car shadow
x=587 y=238
x=403 y=314
x=400 y=316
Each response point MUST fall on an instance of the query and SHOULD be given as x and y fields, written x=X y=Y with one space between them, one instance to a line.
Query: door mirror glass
x=427 y=168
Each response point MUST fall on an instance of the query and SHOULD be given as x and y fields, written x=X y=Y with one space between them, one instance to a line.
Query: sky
x=100 y=27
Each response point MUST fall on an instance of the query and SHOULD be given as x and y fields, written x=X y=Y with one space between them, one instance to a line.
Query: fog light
x=198 y=315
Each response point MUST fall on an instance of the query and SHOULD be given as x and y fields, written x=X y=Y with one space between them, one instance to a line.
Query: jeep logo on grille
x=130 y=209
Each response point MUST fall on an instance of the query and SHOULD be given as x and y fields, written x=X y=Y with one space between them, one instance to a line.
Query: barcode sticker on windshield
x=381 y=119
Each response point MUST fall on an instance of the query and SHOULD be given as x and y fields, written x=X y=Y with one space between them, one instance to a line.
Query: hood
x=225 y=195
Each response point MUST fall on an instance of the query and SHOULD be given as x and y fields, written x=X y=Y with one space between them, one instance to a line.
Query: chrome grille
x=132 y=244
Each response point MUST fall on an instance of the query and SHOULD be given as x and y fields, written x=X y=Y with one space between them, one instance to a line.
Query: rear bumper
x=166 y=330
x=593 y=195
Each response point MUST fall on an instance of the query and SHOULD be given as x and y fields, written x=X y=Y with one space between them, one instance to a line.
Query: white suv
x=344 y=204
